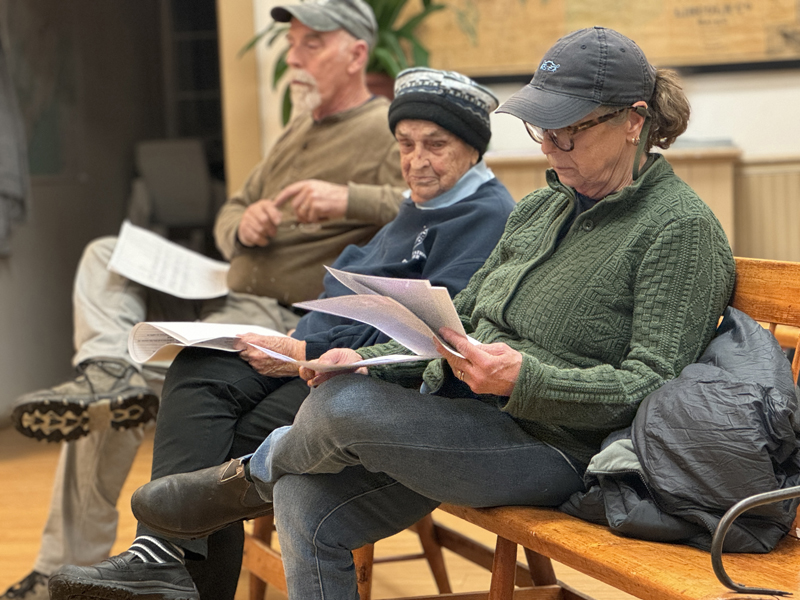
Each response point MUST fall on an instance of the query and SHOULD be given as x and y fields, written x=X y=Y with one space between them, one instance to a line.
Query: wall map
x=508 y=37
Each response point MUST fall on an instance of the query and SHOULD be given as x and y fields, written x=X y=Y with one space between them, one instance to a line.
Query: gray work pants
x=82 y=522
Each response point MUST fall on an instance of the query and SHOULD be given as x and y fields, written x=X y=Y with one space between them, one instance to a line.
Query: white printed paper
x=148 y=338
x=410 y=311
x=149 y=259
x=326 y=368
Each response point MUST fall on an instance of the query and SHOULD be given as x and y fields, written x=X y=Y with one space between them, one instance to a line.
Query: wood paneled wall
x=756 y=200
x=710 y=172
x=767 y=208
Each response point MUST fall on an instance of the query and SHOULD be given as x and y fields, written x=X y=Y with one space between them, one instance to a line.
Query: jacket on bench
x=725 y=429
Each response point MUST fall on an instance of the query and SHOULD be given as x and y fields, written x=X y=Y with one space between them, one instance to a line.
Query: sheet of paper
x=383 y=313
x=323 y=368
x=157 y=263
x=148 y=338
x=431 y=304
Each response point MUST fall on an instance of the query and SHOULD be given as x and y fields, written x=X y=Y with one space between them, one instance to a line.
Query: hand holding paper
x=485 y=368
x=338 y=356
x=250 y=345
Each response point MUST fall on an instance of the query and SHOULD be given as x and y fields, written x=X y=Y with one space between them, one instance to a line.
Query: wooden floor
x=26 y=473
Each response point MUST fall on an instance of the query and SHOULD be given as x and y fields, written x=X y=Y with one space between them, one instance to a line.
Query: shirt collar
x=464 y=187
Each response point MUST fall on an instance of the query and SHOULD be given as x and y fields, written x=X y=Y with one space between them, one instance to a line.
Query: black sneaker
x=33 y=587
x=107 y=393
x=124 y=577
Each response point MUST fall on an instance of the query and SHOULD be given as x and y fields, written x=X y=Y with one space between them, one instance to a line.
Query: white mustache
x=300 y=76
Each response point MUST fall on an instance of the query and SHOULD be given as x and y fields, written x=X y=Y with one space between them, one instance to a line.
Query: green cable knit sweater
x=630 y=296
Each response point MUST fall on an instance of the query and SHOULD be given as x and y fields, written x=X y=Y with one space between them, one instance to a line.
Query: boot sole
x=69 y=589
x=68 y=419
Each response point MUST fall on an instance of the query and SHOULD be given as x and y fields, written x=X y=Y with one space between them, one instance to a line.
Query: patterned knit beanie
x=449 y=99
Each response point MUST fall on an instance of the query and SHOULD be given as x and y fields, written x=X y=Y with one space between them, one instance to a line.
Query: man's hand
x=259 y=223
x=332 y=357
x=314 y=200
x=265 y=364
x=486 y=369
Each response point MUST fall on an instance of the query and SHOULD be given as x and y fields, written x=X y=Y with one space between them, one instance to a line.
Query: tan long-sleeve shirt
x=353 y=148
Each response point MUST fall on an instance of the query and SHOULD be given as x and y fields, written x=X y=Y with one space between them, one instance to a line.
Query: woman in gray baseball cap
x=595 y=77
x=604 y=285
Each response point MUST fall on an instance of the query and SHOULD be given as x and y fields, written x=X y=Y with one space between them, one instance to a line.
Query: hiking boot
x=195 y=505
x=107 y=393
x=33 y=587
x=124 y=577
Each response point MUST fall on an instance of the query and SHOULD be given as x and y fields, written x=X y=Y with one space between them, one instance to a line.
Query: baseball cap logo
x=549 y=65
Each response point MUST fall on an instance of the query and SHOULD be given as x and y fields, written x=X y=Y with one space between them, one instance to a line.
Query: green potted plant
x=397 y=46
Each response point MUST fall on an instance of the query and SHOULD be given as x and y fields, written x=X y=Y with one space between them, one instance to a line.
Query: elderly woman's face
x=601 y=160
x=432 y=159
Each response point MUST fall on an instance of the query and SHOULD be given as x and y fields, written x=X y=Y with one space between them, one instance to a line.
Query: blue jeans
x=365 y=459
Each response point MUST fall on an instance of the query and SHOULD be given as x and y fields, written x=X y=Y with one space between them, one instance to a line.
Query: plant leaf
x=418 y=52
x=286 y=106
x=281 y=66
x=388 y=61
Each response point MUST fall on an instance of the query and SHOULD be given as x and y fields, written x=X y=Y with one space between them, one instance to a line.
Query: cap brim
x=309 y=15
x=546 y=109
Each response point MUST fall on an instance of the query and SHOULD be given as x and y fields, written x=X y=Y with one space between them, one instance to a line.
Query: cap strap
x=637 y=158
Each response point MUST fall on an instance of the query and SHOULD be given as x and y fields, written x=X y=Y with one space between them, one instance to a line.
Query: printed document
x=149 y=259
x=323 y=368
x=149 y=338
x=410 y=311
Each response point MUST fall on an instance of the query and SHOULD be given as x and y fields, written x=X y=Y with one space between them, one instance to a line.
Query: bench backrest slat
x=769 y=291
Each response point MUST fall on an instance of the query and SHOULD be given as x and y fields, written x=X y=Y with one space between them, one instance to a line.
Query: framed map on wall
x=509 y=37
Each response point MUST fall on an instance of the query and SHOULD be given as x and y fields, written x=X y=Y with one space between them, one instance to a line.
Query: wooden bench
x=769 y=291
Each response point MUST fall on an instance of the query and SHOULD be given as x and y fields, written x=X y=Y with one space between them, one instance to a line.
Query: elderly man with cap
x=604 y=285
x=217 y=405
x=336 y=164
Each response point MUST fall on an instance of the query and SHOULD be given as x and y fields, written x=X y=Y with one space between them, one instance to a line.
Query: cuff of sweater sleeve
x=528 y=386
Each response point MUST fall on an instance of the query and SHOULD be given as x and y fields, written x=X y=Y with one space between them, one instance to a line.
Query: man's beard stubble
x=304 y=92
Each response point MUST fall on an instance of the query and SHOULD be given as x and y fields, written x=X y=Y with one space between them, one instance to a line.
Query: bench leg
x=363 y=559
x=541 y=568
x=433 y=553
x=262 y=530
x=503 y=570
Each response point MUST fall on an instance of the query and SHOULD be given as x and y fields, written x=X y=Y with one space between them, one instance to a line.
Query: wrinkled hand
x=332 y=357
x=314 y=200
x=266 y=365
x=486 y=369
x=259 y=223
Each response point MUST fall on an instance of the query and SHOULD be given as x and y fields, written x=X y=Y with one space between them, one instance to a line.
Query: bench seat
x=647 y=570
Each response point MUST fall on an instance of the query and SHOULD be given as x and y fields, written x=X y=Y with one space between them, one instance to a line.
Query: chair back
x=177 y=178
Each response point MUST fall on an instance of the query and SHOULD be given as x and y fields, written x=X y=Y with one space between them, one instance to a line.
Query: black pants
x=215 y=407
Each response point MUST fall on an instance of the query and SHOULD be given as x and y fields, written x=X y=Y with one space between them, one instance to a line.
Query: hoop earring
x=635 y=141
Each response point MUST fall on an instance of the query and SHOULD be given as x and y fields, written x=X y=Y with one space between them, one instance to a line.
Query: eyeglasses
x=563 y=138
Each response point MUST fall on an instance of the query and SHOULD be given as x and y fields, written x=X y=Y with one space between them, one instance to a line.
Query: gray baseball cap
x=354 y=16
x=581 y=71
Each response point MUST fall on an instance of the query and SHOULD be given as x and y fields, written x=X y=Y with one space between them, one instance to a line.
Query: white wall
x=756 y=111
x=114 y=100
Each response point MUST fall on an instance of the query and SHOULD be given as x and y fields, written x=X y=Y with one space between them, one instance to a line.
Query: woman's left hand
x=485 y=368
x=265 y=364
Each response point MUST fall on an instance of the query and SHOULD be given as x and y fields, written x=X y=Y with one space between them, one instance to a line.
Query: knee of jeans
x=99 y=250
x=338 y=406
